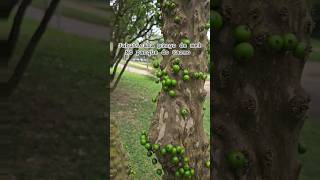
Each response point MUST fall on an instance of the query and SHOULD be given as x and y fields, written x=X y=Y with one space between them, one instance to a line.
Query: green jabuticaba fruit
x=165 y=88
x=186 y=41
x=159 y=172
x=201 y=75
x=169 y=148
x=144 y=133
x=143 y=142
x=186 y=167
x=176 y=68
x=167 y=4
x=196 y=75
x=164 y=73
x=149 y=153
x=242 y=33
x=216 y=20
x=179 y=149
x=184 y=112
x=204 y=76
x=177 y=173
x=154 y=161
x=174 y=151
x=173 y=82
x=290 y=41
x=186 y=77
x=176 y=61
x=172 y=93
x=185 y=72
x=275 y=42
x=177 y=19
x=207 y=164
x=154 y=99
x=192 y=172
x=147 y=146
x=300 y=50
x=173 y=5
x=155 y=147
x=181 y=171
x=163 y=151
x=302 y=149
x=236 y=160
x=187 y=173
x=185 y=160
x=175 y=160
x=243 y=51
x=156 y=64
x=143 y=136
x=163 y=82
x=168 y=82
x=159 y=74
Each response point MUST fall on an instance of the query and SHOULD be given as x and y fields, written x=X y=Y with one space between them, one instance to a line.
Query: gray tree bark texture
x=168 y=126
x=259 y=106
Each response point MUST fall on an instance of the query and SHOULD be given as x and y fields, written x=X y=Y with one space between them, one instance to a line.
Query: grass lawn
x=79 y=14
x=310 y=136
x=59 y=106
x=132 y=109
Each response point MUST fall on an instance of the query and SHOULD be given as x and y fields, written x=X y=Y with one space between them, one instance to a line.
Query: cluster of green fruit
x=169 y=5
x=287 y=42
x=169 y=83
x=174 y=153
x=243 y=49
x=236 y=160
x=151 y=149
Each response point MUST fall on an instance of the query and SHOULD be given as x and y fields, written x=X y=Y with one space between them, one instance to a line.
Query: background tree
x=178 y=119
x=7 y=46
x=133 y=22
x=260 y=49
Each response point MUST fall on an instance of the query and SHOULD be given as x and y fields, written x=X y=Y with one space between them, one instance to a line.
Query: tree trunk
x=169 y=126
x=118 y=159
x=258 y=105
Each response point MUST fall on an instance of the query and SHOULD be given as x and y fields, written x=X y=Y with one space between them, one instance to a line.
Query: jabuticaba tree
x=259 y=107
x=177 y=127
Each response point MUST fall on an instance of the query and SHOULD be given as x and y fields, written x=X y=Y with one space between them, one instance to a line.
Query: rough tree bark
x=259 y=105
x=168 y=126
x=118 y=159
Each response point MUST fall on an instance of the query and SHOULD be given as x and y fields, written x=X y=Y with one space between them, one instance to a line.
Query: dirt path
x=85 y=8
x=311 y=83
x=73 y=26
